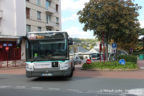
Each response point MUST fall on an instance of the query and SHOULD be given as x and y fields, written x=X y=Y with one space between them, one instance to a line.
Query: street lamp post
x=78 y=48
x=143 y=42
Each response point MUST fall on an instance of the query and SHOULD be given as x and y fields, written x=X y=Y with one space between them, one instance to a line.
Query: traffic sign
x=88 y=61
x=4 y=44
x=122 y=62
x=7 y=48
x=114 y=45
x=10 y=44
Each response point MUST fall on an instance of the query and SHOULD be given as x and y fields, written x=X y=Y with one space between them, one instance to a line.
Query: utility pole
x=143 y=42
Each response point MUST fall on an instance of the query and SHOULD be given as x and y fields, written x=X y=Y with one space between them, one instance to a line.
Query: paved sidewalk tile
x=141 y=64
x=13 y=71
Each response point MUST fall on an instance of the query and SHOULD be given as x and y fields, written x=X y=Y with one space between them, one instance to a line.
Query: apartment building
x=43 y=15
x=17 y=17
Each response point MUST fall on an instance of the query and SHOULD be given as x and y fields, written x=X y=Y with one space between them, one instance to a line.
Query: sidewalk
x=13 y=63
x=141 y=64
x=14 y=71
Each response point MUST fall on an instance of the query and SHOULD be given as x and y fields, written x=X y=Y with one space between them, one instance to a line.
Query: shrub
x=136 y=53
x=128 y=58
x=110 y=65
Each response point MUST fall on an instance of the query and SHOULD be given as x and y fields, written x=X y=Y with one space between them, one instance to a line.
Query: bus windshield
x=42 y=50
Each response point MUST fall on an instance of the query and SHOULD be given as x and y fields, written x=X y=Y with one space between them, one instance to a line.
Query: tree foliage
x=116 y=19
x=141 y=32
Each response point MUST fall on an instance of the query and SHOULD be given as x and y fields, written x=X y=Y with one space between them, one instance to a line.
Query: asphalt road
x=19 y=85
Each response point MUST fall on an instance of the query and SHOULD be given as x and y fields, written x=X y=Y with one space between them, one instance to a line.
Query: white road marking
x=75 y=90
x=37 y=88
x=137 y=91
x=5 y=86
x=20 y=87
x=54 y=89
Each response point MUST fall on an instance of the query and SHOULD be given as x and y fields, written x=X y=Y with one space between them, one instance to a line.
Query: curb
x=108 y=70
x=11 y=68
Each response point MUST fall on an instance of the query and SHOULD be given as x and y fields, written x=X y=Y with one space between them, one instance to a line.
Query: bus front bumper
x=48 y=73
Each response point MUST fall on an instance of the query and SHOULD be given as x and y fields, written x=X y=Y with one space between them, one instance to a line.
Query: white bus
x=47 y=54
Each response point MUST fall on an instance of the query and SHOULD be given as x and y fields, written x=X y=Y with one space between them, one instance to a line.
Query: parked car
x=113 y=56
x=95 y=56
x=77 y=60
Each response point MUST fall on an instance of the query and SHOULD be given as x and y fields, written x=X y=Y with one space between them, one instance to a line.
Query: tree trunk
x=106 y=47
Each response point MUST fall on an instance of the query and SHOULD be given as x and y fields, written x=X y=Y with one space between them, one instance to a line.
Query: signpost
x=7 y=49
x=100 y=49
x=114 y=47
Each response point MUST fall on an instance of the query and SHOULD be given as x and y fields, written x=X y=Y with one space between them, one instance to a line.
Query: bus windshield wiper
x=35 y=59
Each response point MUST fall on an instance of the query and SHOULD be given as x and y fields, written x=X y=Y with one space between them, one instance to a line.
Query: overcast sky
x=70 y=21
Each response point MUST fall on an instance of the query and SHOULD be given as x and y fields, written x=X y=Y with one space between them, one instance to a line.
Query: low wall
x=14 y=63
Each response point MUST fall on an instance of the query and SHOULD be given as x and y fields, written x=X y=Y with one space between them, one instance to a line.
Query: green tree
x=141 y=32
x=112 y=19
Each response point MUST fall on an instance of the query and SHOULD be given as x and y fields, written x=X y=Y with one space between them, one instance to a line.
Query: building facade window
x=28 y=28
x=56 y=7
x=28 y=13
x=38 y=15
x=39 y=2
x=48 y=18
x=57 y=20
x=39 y=28
x=48 y=29
x=47 y=4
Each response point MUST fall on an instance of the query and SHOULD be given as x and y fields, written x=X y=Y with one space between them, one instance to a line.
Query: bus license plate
x=47 y=74
x=43 y=66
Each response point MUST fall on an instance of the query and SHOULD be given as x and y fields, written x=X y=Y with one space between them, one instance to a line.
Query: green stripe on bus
x=46 y=61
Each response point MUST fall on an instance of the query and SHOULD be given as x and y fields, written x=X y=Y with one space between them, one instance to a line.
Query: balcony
x=50 y=10
x=1 y=13
x=50 y=24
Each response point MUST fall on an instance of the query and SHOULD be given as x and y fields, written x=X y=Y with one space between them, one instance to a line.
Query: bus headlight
x=64 y=65
x=30 y=66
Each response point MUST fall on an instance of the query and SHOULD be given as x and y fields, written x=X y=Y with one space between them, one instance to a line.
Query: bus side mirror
x=70 y=41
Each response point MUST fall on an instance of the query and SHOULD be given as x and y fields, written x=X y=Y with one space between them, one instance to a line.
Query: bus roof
x=47 y=32
x=47 y=35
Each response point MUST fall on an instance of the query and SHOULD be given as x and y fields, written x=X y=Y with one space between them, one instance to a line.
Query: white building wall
x=20 y=17
x=13 y=17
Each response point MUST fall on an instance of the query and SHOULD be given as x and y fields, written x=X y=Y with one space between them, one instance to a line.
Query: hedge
x=128 y=58
x=109 y=65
